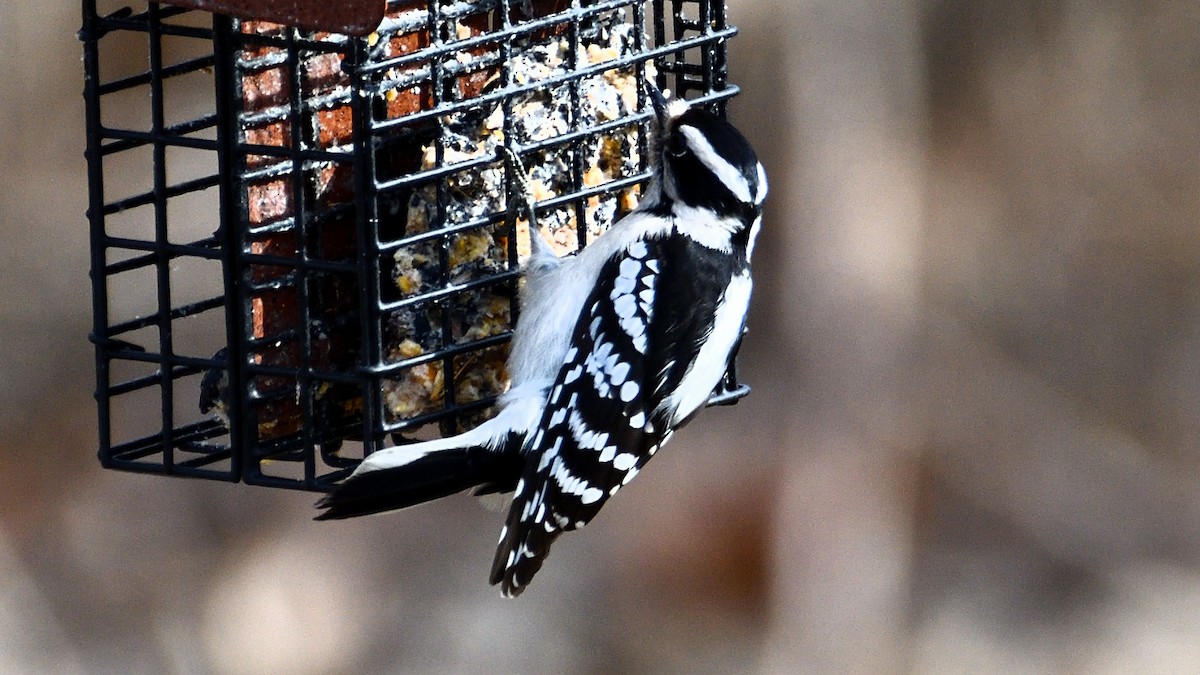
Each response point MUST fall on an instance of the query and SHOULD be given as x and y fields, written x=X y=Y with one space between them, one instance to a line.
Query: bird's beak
x=666 y=109
x=657 y=100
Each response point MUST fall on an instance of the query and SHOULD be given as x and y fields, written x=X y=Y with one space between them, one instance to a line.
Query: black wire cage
x=302 y=246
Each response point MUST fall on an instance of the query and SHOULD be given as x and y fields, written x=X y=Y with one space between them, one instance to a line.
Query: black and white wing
x=616 y=397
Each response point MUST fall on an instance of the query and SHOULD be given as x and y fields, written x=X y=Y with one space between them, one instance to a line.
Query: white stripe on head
x=727 y=173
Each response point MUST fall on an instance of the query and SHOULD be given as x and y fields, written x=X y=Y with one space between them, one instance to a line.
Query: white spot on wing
x=625 y=306
x=558 y=416
x=630 y=267
x=567 y=482
x=550 y=453
x=618 y=373
x=634 y=328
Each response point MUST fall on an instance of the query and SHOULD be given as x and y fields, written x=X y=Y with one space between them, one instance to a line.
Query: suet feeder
x=302 y=246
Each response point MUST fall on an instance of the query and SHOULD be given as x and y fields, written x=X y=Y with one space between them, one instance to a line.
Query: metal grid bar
x=168 y=447
x=317 y=166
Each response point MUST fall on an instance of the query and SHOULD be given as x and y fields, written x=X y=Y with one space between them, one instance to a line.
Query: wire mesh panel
x=302 y=242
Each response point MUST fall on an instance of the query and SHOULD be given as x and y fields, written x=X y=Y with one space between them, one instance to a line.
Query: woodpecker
x=616 y=347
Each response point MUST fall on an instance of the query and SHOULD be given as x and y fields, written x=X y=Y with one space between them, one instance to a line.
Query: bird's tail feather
x=408 y=475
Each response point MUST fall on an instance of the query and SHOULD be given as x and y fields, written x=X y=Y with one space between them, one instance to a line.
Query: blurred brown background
x=971 y=446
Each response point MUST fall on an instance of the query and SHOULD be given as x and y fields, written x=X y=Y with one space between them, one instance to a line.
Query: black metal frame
x=337 y=303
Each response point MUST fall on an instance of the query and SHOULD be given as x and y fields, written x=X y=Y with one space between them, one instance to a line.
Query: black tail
x=433 y=476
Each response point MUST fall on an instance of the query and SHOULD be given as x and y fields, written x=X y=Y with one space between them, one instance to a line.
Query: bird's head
x=703 y=161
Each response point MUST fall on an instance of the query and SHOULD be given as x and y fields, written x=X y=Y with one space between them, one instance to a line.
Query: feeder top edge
x=351 y=17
